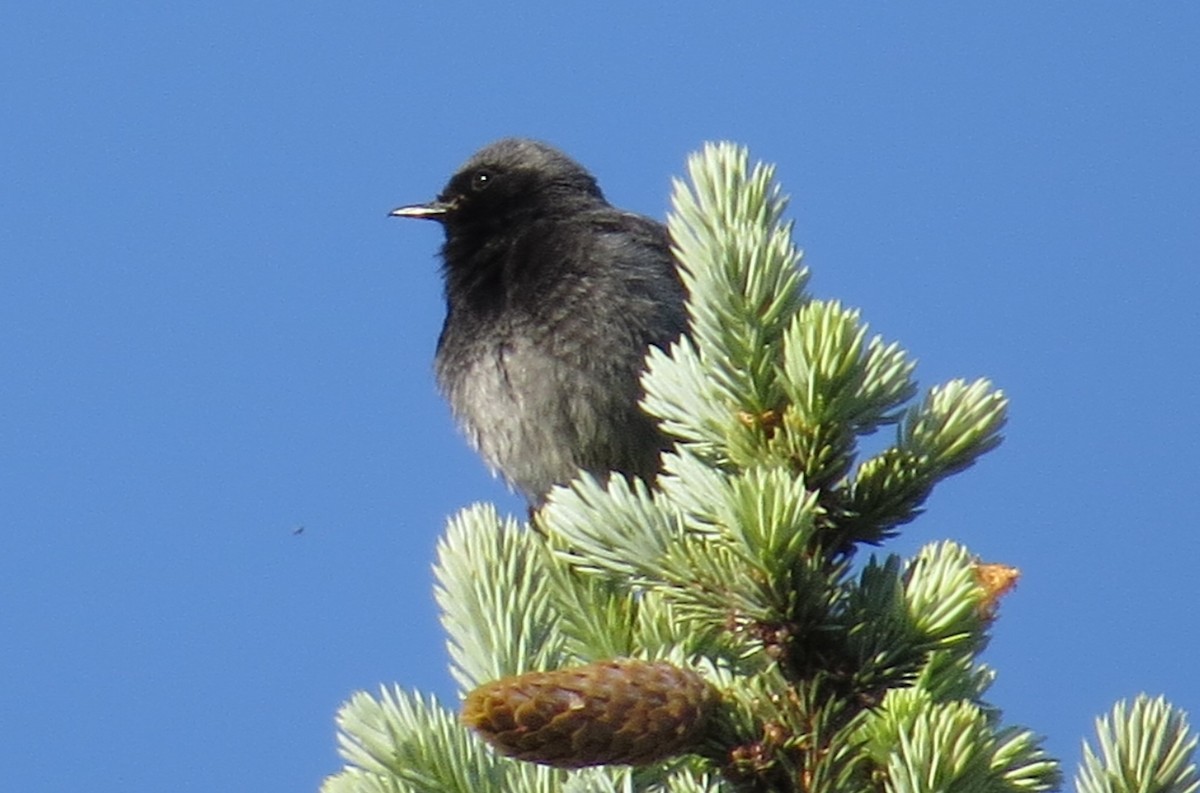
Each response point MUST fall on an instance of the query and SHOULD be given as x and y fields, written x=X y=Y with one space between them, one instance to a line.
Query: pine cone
x=622 y=712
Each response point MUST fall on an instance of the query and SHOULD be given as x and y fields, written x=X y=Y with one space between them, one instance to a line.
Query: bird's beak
x=434 y=210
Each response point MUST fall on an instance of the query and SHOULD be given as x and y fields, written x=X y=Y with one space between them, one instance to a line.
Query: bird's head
x=510 y=181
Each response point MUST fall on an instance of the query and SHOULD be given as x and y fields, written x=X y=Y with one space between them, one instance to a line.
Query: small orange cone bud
x=623 y=712
x=997 y=581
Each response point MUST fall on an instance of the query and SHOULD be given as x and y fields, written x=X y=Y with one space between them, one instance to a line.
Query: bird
x=553 y=297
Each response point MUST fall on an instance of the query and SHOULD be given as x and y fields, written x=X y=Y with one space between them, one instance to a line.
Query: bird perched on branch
x=553 y=299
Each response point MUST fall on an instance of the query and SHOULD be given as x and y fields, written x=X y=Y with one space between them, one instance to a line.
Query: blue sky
x=212 y=335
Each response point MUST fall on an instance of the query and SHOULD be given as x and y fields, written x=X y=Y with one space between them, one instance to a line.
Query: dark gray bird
x=553 y=299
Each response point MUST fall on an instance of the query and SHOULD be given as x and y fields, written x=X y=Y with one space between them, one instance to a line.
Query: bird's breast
x=522 y=401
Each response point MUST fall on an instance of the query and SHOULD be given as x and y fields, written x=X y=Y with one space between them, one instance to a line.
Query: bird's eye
x=480 y=180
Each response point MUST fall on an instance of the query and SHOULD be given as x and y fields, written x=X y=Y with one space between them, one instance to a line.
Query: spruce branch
x=1145 y=746
x=944 y=597
x=499 y=617
x=955 y=424
x=922 y=746
x=404 y=742
x=743 y=273
x=615 y=528
x=839 y=386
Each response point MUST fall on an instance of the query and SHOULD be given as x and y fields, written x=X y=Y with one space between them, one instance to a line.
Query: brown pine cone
x=622 y=712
